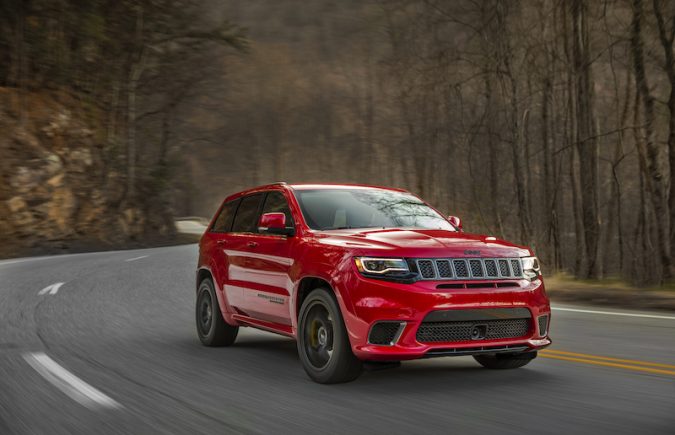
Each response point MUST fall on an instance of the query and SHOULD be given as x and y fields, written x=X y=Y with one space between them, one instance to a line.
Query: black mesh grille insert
x=383 y=333
x=491 y=268
x=460 y=268
x=444 y=269
x=426 y=268
x=433 y=332
x=543 y=325
x=504 y=268
x=468 y=268
x=476 y=268
x=515 y=264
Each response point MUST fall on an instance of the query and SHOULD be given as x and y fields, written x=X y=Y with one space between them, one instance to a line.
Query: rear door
x=215 y=241
x=239 y=243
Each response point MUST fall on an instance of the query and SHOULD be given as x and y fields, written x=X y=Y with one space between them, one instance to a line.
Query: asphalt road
x=113 y=350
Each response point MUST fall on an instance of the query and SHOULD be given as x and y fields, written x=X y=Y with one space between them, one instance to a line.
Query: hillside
x=57 y=187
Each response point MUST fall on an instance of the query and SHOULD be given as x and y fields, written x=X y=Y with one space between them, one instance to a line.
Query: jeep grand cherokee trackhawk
x=366 y=274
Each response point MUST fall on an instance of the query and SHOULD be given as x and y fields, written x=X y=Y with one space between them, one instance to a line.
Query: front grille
x=384 y=333
x=543 y=325
x=515 y=264
x=434 y=332
x=476 y=268
x=461 y=269
x=426 y=268
x=444 y=268
x=491 y=268
x=504 y=268
x=471 y=268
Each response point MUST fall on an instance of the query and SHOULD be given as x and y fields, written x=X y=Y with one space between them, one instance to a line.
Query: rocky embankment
x=59 y=188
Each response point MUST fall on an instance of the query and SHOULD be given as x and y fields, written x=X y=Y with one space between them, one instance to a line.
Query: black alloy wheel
x=323 y=343
x=211 y=327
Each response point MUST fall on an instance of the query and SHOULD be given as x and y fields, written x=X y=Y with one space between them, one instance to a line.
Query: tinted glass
x=327 y=209
x=246 y=220
x=223 y=222
x=276 y=203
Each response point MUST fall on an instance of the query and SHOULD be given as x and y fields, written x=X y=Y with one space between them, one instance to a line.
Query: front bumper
x=374 y=301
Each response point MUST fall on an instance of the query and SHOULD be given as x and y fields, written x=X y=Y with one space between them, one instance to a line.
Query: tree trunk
x=135 y=72
x=493 y=152
x=586 y=140
x=510 y=91
x=666 y=38
x=654 y=179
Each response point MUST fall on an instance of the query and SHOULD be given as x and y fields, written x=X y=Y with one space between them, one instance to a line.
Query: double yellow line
x=628 y=364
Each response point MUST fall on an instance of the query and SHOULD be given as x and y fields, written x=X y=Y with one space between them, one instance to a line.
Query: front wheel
x=323 y=344
x=505 y=360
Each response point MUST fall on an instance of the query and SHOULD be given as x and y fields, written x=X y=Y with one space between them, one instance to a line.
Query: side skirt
x=276 y=328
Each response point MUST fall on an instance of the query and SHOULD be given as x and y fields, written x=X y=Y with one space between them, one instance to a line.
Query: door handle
x=252 y=244
x=221 y=242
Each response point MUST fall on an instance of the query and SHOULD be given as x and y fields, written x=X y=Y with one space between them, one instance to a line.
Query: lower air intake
x=384 y=333
x=434 y=332
x=543 y=325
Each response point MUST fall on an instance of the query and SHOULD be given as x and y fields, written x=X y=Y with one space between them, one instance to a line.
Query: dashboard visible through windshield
x=333 y=209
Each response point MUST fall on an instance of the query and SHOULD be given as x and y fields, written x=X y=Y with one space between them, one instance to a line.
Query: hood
x=420 y=243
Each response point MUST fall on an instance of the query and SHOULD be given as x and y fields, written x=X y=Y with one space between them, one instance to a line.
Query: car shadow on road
x=462 y=373
x=280 y=354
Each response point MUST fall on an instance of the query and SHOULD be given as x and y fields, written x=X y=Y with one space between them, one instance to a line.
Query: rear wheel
x=323 y=344
x=505 y=360
x=211 y=327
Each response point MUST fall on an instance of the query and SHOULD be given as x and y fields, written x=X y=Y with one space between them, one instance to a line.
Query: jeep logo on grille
x=470 y=252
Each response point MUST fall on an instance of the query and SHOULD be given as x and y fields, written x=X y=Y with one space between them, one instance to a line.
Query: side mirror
x=274 y=223
x=456 y=222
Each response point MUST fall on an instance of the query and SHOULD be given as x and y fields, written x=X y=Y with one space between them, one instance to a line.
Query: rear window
x=246 y=219
x=223 y=222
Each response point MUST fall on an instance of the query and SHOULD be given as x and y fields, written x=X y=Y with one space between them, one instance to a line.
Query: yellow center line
x=606 y=358
x=607 y=362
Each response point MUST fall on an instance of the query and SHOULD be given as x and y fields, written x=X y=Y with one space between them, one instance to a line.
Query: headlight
x=531 y=268
x=382 y=266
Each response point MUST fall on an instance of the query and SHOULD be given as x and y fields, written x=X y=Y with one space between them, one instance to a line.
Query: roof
x=314 y=186
x=317 y=186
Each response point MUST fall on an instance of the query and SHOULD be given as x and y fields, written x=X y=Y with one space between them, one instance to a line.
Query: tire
x=212 y=329
x=323 y=343
x=503 y=361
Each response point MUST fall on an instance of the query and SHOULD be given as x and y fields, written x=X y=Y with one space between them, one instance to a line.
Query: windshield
x=333 y=209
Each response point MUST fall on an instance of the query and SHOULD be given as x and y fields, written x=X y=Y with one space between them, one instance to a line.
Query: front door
x=270 y=257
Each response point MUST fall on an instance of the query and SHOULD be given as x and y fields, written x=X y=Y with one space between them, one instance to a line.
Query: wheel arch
x=205 y=272
x=202 y=274
x=306 y=285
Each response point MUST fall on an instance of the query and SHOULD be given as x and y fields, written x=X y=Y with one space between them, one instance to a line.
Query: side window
x=276 y=203
x=246 y=220
x=223 y=222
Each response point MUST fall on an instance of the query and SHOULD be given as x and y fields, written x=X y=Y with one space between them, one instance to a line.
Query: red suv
x=366 y=274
